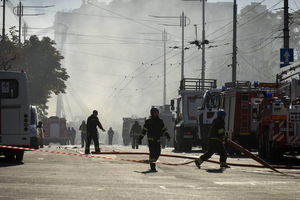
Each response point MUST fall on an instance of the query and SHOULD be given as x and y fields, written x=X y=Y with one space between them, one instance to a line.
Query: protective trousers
x=215 y=146
x=110 y=139
x=154 y=149
x=89 y=138
x=135 y=142
x=83 y=139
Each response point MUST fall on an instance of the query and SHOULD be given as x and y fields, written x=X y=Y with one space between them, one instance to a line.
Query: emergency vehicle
x=241 y=101
x=55 y=130
x=191 y=92
x=14 y=113
x=279 y=124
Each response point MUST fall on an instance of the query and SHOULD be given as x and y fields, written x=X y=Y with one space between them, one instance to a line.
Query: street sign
x=286 y=55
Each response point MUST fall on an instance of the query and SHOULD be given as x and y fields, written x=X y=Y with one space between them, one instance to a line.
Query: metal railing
x=197 y=84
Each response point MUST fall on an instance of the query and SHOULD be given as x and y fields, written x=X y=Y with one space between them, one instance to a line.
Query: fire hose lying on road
x=231 y=143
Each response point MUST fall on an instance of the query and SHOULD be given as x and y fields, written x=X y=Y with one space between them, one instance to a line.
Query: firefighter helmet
x=153 y=110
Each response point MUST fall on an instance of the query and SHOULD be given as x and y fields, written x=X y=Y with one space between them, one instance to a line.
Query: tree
x=42 y=62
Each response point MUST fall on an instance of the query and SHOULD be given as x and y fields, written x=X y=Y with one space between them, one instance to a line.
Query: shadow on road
x=214 y=170
x=146 y=172
x=9 y=163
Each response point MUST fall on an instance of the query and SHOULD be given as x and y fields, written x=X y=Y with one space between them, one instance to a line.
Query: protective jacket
x=92 y=123
x=136 y=130
x=217 y=130
x=154 y=128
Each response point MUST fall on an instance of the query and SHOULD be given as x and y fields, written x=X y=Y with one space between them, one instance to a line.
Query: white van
x=14 y=113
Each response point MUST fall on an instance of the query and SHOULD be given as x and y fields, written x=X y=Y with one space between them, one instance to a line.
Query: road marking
x=250 y=183
x=40 y=158
x=163 y=187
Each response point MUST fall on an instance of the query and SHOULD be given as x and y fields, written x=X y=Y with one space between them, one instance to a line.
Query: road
x=53 y=176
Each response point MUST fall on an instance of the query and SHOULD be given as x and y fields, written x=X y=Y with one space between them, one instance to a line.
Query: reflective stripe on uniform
x=145 y=129
x=152 y=139
x=221 y=131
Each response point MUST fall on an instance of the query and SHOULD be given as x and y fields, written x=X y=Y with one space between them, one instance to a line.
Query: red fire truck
x=241 y=101
x=55 y=130
x=279 y=124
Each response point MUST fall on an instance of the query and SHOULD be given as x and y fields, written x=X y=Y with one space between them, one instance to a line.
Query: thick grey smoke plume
x=113 y=52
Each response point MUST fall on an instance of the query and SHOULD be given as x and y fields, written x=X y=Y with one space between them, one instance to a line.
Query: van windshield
x=9 y=89
x=211 y=100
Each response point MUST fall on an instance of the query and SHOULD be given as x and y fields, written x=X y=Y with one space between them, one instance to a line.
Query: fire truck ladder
x=244 y=122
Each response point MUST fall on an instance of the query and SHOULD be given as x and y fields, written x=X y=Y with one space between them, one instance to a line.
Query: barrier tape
x=146 y=161
x=92 y=156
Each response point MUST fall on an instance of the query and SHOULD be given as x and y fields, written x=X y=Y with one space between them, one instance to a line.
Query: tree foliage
x=41 y=61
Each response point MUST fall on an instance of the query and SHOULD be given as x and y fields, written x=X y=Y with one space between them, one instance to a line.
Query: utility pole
x=20 y=14
x=234 y=47
x=24 y=31
x=203 y=46
x=286 y=30
x=182 y=24
x=164 y=37
x=3 y=23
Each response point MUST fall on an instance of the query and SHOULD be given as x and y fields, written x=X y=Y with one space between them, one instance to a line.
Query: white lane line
x=250 y=182
x=162 y=187
x=40 y=158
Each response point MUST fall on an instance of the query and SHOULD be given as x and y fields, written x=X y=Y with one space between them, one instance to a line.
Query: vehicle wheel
x=9 y=155
x=19 y=155
x=188 y=147
x=272 y=153
x=261 y=147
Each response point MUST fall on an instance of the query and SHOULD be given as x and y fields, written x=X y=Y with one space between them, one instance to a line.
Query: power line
x=251 y=19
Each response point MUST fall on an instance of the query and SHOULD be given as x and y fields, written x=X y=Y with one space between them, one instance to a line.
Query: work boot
x=97 y=150
x=153 y=167
x=198 y=162
x=87 y=151
x=224 y=165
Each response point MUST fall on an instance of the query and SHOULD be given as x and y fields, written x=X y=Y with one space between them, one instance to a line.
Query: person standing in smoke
x=92 y=133
x=110 y=133
x=73 y=135
x=82 y=128
x=135 y=133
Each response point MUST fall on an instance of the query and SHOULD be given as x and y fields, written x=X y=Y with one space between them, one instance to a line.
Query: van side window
x=9 y=89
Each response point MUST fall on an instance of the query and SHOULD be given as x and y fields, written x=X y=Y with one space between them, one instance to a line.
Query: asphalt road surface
x=54 y=176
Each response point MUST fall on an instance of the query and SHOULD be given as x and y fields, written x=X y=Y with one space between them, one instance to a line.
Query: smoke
x=114 y=53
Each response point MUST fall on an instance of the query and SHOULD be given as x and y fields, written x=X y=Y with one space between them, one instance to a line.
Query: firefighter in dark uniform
x=215 y=144
x=154 y=128
x=92 y=133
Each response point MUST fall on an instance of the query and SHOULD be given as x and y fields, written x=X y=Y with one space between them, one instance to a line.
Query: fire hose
x=230 y=142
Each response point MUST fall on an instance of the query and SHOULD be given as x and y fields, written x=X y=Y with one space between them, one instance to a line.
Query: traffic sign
x=286 y=55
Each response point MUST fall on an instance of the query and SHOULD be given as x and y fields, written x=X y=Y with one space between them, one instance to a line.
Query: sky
x=129 y=58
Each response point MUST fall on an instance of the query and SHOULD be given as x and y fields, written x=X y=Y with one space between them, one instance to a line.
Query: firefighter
x=92 y=133
x=154 y=128
x=110 y=133
x=73 y=135
x=82 y=128
x=69 y=133
x=41 y=134
x=215 y=142
x=135 y=133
